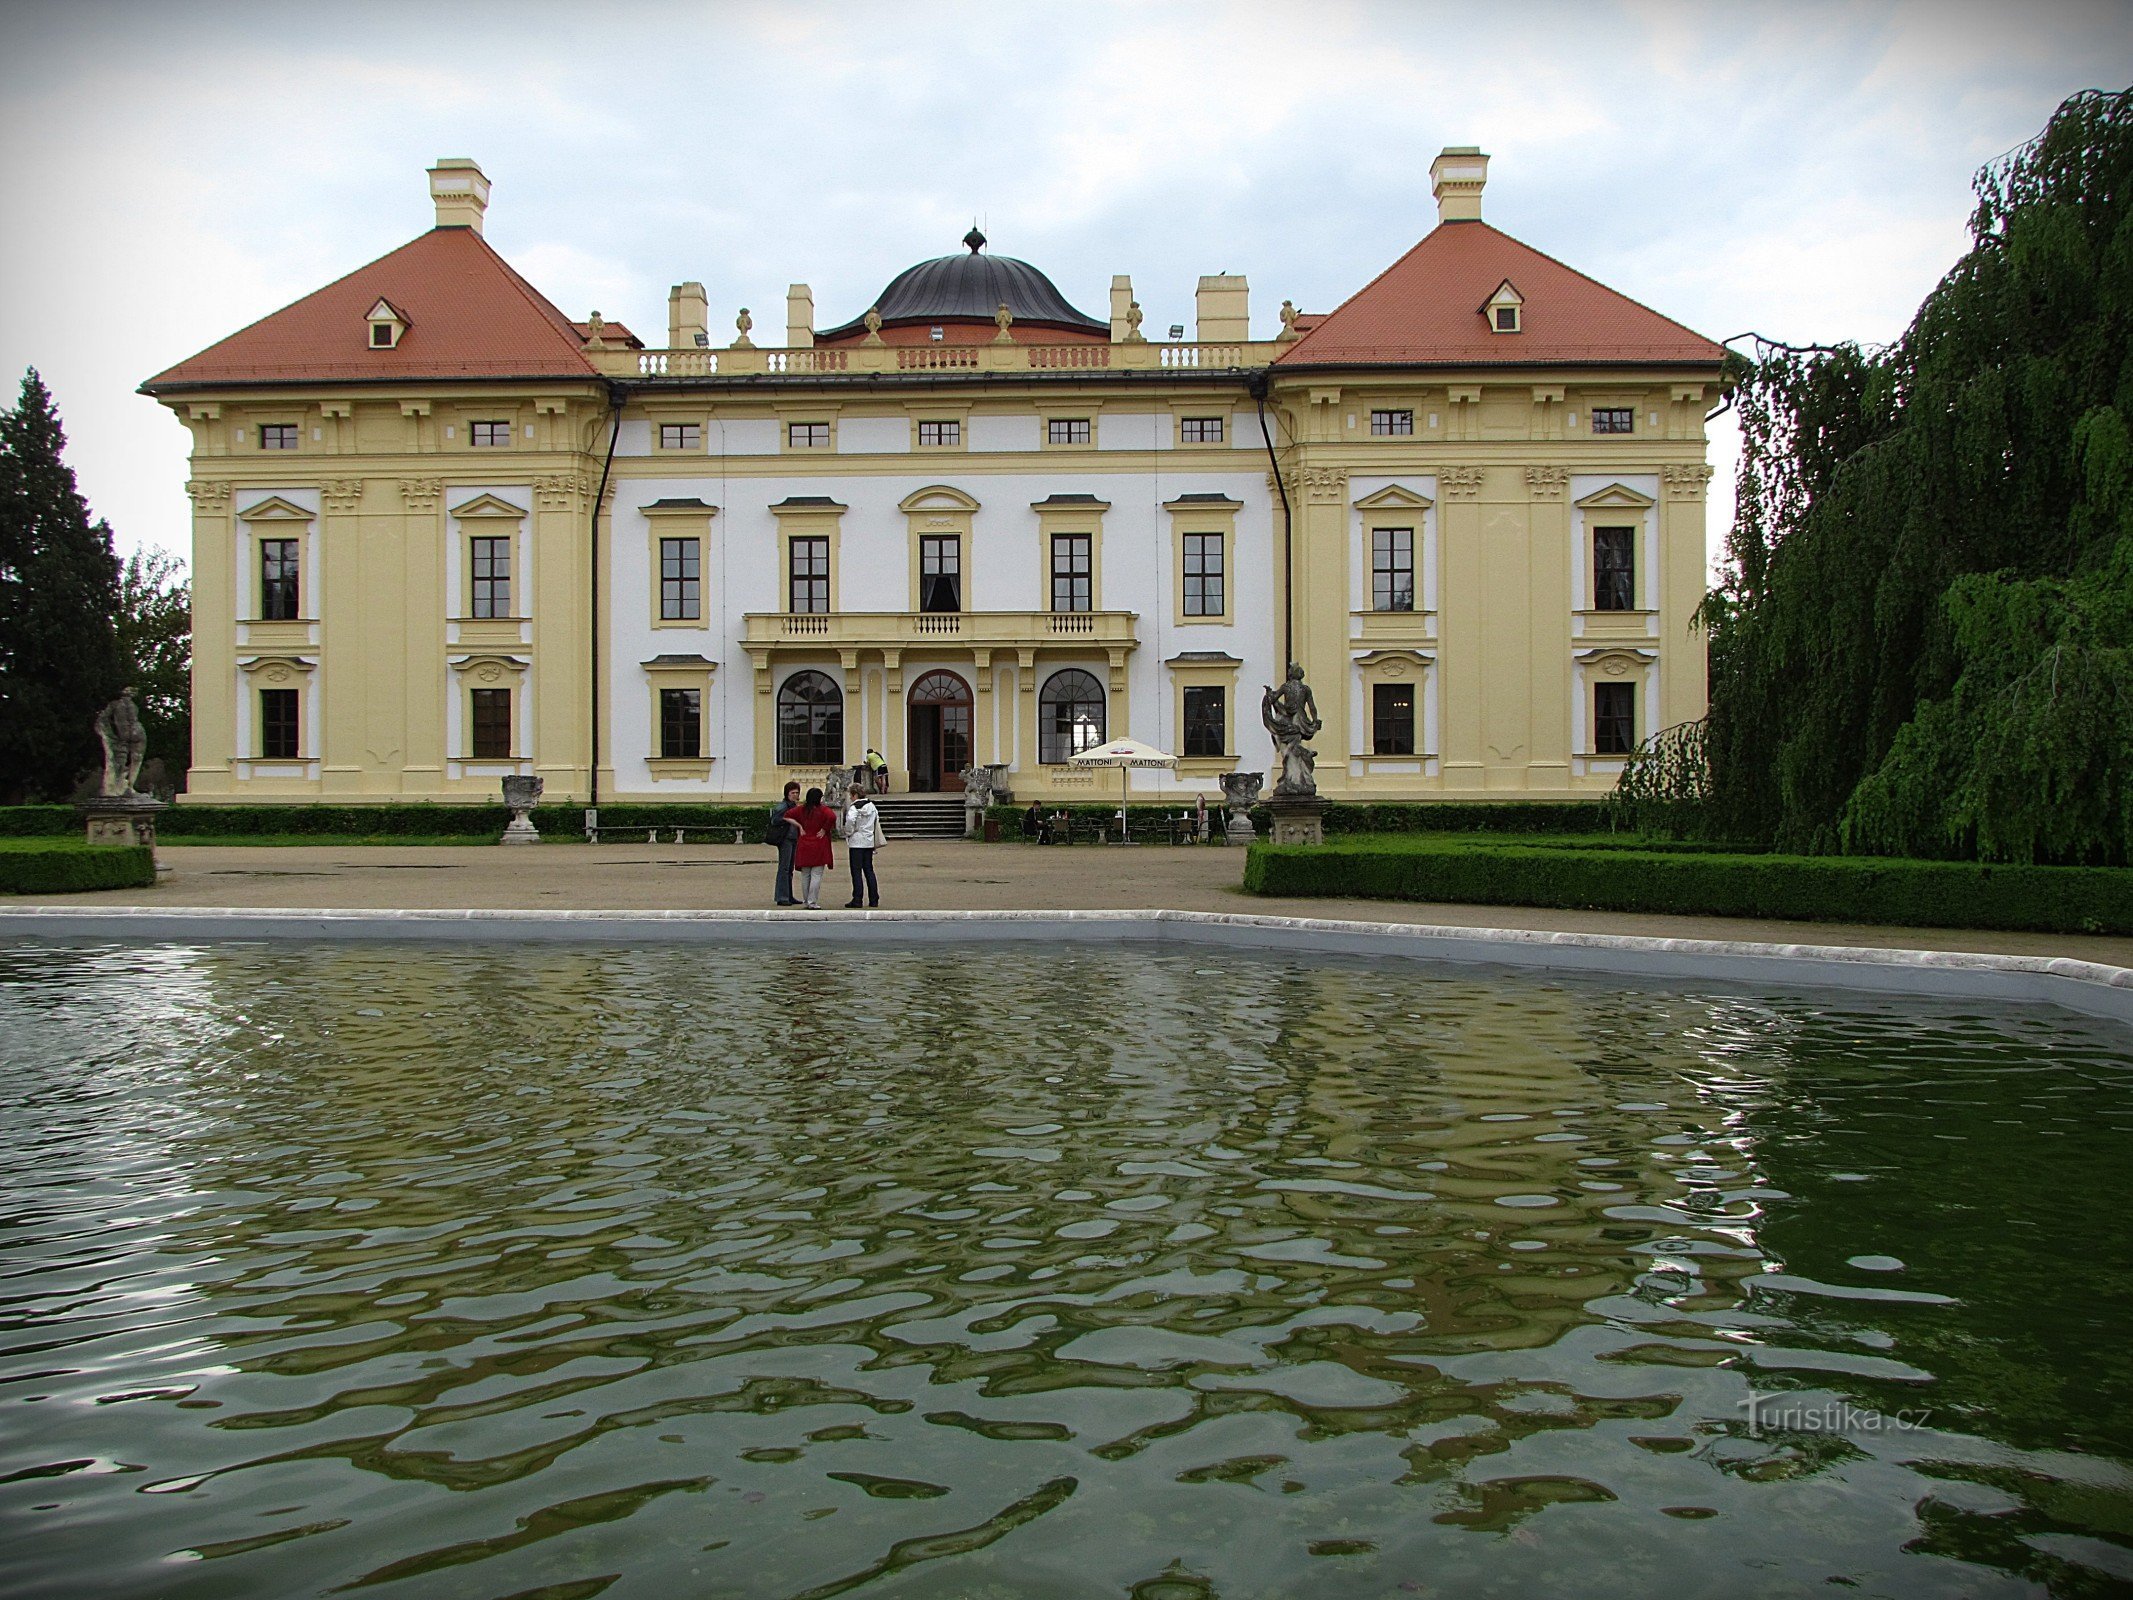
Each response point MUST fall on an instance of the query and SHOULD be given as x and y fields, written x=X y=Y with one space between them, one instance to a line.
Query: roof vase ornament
x=1133 y=324
x=1003 y=319
x=974 y=239
x=873 y=326
x=744 y=322
x=594 y=324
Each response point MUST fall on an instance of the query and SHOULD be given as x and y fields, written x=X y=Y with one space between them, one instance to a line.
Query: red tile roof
x=614 y=333
x=1426 y=309
x=469 y=316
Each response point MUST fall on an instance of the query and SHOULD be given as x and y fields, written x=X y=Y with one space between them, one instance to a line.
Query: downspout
x=1259 y=383
x=617 y=397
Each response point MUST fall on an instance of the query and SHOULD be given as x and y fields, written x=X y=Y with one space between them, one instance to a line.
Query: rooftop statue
x=1291 y=717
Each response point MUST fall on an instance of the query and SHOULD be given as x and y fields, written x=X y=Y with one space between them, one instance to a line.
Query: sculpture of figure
x=125 y=742
x=977 y=788
x=837 y=788
x=873 y=324
x=1003 y=319
x=1288 y=319
x=1133 y=323
x=1291 y=717
x=744 y=322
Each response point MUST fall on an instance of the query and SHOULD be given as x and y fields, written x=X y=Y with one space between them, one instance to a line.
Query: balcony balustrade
x=894 y=630
x=925 y=358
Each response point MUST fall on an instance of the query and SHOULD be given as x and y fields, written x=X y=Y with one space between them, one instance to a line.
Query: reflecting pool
x=428 y=1271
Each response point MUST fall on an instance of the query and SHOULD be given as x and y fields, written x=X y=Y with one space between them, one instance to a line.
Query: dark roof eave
x=200 y=385
x=1539 y=364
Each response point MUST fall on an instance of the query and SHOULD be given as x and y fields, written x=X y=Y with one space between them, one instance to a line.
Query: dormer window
x=387 y=324
x=1505 y=309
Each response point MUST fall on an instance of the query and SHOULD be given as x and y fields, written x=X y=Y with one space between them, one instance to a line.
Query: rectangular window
x=1072 y=589
x=277 y=580
x=1614 y=419
x=1067 y=430
x=1203 y=575
x=492 y=724
x=940 y=573
x=1384 y=424
x=1614 y=570
x=489 y=560
x=681 y=724
x=681 y=436
x=277 y=724
x=277 y=436
x=809 y=572
x=807 y=435
x=1200 y=430
x=940 y=433
x=681 y=596
x=1507 y=319
x=1392 y=569
x=1614 y=719
x=1206 y=721
x=1392 y=719
x=488 y=434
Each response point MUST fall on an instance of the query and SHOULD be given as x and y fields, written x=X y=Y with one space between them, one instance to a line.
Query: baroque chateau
x=444 y=532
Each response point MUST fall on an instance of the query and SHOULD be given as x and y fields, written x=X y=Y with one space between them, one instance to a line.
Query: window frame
x=281 y=435
x=1085 y=577
x=1385 y=734
x=681 y=591
x=821 y=742
x=1052 y=433
x=483 y=433
x=489 y=593
x=681 y=722
x=817 y=550
x=948 y=433
x=930 y=546
x=1057 y=744
x=682 y=436
x=1389 y=422
x=1194 y=721
x=1195 y=544
x=285 y=582
x=1614 y=584
x=1627 y=414
x=809 y=426
x=1614 y=724
x=1194 y=430
x=273 y=727
x=1385 y=565
x=489 y=710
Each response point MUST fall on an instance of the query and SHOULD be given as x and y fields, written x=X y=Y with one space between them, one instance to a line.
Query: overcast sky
x=175 y=170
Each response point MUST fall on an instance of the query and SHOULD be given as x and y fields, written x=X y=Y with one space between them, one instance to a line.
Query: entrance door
x=938 y=716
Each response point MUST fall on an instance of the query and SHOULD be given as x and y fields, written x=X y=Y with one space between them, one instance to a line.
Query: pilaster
x=214 y=640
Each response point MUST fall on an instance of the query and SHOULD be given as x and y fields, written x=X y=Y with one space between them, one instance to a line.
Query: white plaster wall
x=1132 y=431
x=635 y=439
x=1005 y=570
x=1005 y=433
x=874 y=436
x=744 y=436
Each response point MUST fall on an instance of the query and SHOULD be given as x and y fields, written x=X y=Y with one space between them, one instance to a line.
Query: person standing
x=812 y=855
x=877 y=766
x=863 y=835
x=780 y=832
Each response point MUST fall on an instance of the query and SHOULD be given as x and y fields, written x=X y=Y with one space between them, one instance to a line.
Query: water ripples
x=461 y=1271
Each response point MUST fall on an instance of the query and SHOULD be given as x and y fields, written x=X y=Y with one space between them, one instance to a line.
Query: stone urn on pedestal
x=522 y=794
x=1240 y=792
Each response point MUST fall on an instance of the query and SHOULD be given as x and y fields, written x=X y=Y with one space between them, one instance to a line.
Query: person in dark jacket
x=784 y=835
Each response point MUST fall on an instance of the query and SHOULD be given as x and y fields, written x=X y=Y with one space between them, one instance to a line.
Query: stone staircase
x=921 y=816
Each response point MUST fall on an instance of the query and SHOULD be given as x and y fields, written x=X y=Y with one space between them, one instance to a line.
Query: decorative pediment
x=1616 y=659
x=276 y=668
x=275 y=509
x=678 y=508
x=489 y=666
x=1616 y=497
x=939 y=497
x=1203 y=502
x=1394 y=498
x=488 y=505
x=1394 y=663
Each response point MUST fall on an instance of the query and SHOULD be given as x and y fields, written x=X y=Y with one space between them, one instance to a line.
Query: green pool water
x=465 y=1271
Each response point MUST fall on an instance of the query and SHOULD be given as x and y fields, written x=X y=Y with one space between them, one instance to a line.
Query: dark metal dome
x=970 y=288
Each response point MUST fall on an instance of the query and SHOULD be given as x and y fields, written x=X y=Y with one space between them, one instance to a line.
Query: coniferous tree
x=59 y=650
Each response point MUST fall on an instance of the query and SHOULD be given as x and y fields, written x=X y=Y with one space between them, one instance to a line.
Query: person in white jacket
x=862 y=837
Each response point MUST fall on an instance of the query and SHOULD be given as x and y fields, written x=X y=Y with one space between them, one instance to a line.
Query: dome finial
x=974 y=239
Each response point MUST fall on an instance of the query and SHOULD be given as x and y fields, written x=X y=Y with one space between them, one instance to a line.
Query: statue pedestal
x=1298 y=819
x=121 y=819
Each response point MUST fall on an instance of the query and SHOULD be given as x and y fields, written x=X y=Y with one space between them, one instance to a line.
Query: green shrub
x=39 y=822
x=40 y=867
x=1919 y=894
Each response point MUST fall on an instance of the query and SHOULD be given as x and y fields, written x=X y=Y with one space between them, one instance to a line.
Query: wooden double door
x=937 y=722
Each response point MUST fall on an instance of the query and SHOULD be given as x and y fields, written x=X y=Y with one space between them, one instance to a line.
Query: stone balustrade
x=754 y=362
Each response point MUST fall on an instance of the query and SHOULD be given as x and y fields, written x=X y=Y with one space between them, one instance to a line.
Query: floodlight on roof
x=1177 y=330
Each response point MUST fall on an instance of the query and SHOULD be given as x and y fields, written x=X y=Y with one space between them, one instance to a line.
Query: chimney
x=799 y=317
x=1223 y=309
x=1456 y=178
x=461 y=192
x=1121 y=304
x=688 y=316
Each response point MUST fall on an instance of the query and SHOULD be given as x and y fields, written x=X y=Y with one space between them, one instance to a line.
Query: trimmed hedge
x=37 y=867
x=39 y=822
x=1875 y=889
x=1588 y=820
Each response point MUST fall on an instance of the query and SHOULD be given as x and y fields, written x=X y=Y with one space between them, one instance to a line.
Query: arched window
x=810 y=721
x=1070 y=715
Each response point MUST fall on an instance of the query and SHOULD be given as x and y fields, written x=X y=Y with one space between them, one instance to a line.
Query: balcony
x=928 y=359
x=901 y=630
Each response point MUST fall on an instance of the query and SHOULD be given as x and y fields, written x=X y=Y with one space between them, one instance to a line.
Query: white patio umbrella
x=1122 y=753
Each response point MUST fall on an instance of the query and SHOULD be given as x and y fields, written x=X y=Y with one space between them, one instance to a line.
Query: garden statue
x=837 y=789
x=1291 y=717
x=125 y=742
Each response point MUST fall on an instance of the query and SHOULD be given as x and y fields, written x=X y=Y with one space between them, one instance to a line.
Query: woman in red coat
x=812 y=855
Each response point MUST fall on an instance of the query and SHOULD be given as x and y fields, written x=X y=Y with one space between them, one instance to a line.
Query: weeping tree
x=1922 y=642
